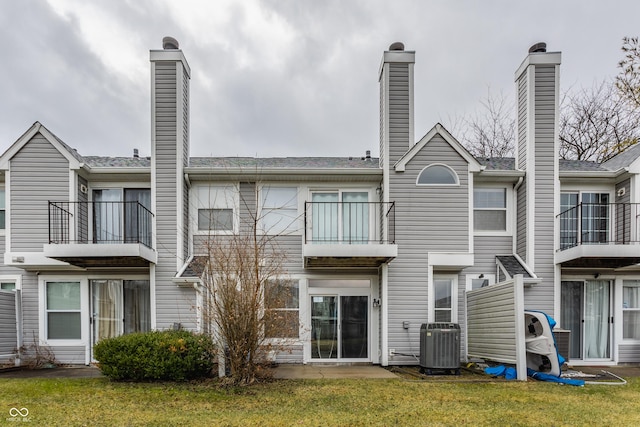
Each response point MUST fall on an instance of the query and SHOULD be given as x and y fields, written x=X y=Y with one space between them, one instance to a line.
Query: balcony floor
x=102 y=255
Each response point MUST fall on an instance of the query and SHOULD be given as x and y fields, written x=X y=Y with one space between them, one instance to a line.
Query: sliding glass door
x=339 y=327
x=586 y=311
x=119 y=307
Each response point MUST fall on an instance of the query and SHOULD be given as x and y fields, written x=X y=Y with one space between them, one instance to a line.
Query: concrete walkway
x=282 y=371
x=313 y=371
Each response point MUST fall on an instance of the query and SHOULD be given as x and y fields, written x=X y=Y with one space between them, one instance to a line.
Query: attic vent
x=397 y=46
x=538 y=47
x=83 y=189
x=170 y=43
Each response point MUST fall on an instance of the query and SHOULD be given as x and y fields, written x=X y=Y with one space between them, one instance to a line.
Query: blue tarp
x=552 y=378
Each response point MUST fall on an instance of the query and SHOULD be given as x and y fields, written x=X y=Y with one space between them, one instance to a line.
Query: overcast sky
x=281 y=77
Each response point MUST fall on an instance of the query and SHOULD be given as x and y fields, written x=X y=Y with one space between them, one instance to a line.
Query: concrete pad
x=312 y=371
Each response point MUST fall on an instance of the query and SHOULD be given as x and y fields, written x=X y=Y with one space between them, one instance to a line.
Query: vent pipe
x=538 y=48
x=170 y=43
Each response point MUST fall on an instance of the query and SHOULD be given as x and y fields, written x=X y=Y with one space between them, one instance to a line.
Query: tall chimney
x=396 y=103
x=537 y=88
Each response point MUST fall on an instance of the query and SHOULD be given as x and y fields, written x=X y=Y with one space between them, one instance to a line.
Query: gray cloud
x=300 y=80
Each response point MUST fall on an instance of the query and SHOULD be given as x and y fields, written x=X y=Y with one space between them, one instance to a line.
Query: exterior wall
x=428 y=219
x=398 y=110
x=39 y=173
x=173 y=304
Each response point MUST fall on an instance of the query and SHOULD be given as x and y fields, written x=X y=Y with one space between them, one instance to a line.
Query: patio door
x=339 y=327
x=340 y=217
x=119 y=307
x=587 y=312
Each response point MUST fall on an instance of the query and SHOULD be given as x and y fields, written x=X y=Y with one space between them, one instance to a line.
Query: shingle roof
x=623 y=159
x=581 y=166
x=512 y=265
x=497 y=163
x=118 y=162
x=284 y=162
x=194 y=268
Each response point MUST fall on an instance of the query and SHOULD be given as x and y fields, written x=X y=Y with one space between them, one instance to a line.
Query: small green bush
x=156 y=355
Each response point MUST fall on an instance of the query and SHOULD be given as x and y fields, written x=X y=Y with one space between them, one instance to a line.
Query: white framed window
x=444 y=301
x=63 y=313
x=631 y=310
x=64 y=310
x=279 y=210
x=216 y=208
x=490 y=210
x=585 y=218
x=477 y=281
x=437 y=174
x=282 y=309
x=10 y=283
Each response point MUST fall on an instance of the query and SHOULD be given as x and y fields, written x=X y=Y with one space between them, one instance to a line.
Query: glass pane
x=631 y=325
x=281 y=294
x=568 y=220
x=571 y=298
x=355 y=217
x=107 y=215
x=282 y=324
x=443 y=315
x=324 y=327
x=324 y=217
x=107 y=309
x=442 y=290
x=63 y=326
x=137 y=306
x=479 y=283
x=215 y=219
x=280 y=197
x=2 y=219
x=137 y=215
x=486 y=220
x=630 y=296
x=63 y=295
x=596 y=319
x=2 y=201
x=490 y=198
x=437 y=174
x=595 y=218
x=355 y=343
x=8 y=286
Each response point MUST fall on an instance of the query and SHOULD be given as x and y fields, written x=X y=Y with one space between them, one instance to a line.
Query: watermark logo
x=19 y=414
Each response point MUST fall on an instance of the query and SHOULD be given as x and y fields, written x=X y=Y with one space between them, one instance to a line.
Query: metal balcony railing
x=600 y=223
x=99 y=222
x=349 y=222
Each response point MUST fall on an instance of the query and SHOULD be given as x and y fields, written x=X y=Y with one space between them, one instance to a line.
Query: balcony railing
x=349 y=222
x=99 y=222
x=600 y=224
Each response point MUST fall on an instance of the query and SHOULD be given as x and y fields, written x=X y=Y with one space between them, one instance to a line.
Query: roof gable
x=75 y=159
x=438 y=129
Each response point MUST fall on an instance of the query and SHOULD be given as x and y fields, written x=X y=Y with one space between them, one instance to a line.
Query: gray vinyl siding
x=291 y=354
x=39 y=174
x=173 y=304
x=82 y=221
x=485 y=250
x=383 y=86
x=30 y=308
x=521 y=222
x=248 y=206
x=629 y=353
x=522 y=121
x=398 y=110
x=8 y=325
x=623 y=213
x=491 y=323
x=428 y=218
x=540 y=297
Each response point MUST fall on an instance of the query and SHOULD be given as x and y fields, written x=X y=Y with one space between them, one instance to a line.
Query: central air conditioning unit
x=563 y=342
x=440 y=347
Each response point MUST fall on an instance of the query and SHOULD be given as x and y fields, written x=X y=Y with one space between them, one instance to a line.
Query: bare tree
x=628 y=79
x=596 y=124
x=247 y=289
x=491 y=131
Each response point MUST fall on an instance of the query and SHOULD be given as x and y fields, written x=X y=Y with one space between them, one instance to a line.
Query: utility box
x=440 y=347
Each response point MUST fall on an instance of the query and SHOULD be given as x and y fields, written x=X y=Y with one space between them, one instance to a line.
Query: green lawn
x=95 y=402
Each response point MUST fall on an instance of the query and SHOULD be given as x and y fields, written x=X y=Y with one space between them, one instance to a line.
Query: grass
x=97 y=402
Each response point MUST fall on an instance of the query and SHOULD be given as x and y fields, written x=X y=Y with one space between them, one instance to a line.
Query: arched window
x=437 y=174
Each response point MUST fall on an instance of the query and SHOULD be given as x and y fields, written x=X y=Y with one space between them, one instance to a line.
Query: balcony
x=348 y=234
x=600 y=235
x=100 y=234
